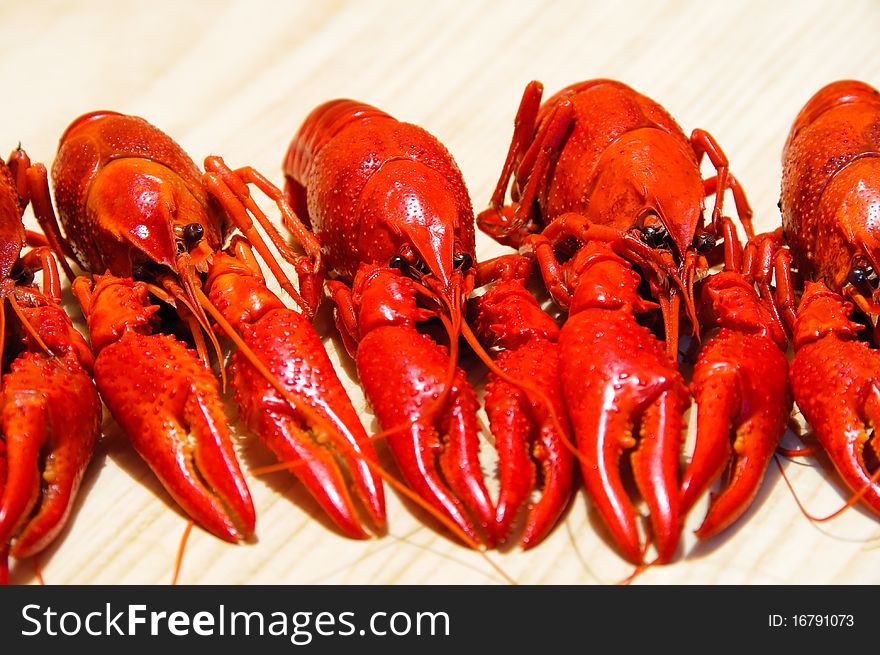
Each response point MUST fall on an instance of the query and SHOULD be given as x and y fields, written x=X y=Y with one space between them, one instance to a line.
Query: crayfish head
x=418 y=221
x=676 y=247
x=145 y=214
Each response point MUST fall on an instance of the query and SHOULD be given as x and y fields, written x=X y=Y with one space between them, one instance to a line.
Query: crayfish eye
x=399 y=262
x=861 y=273
x=653 y=235
x=462 y=261
x=193 y=233
x=21 y=274
x=704 y=242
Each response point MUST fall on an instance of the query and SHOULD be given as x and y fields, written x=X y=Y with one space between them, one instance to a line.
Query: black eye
x=861 y=274
x=704 y=242
x=193 y=233
x=462 y=261
x=653 y=235
x=21 y=274
x=399 y=262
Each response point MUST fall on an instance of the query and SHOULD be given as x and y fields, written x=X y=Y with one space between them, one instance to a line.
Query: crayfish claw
x=460 y=459
x=835 y=380
x=289 y=394
x=617 y=402
x=740 y=385
x=50 y=421
x=316 y=468
x=655 y=467
x=436 y=448
x=656 y=436
x=169 y=405
x=322 y=431
x=531 y=450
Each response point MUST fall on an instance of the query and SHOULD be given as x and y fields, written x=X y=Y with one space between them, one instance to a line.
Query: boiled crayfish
x=132 y=203
x=392 y=213
x=830 y=203
x=50 y=414
x=607 y=192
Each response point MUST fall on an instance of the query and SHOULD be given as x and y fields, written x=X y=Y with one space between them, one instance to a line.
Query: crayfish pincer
x=136 y=212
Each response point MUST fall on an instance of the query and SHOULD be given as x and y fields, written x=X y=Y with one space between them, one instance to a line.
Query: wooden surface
x=237 y=78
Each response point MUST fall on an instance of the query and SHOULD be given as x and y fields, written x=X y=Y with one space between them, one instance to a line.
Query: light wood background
x=237 y=78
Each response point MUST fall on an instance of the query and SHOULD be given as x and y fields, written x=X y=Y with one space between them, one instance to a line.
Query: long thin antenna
x=849 y=503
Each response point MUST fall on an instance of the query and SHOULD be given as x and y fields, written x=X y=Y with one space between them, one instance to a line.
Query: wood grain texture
x=237 y=78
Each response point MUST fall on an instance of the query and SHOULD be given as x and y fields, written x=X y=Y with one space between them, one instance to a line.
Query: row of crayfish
x=607 y=199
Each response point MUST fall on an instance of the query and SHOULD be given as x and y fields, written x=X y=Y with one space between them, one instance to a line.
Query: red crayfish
x=607 y=191
x=50 y=414
x=830 y=202
x=392 y=213
x=132 y=203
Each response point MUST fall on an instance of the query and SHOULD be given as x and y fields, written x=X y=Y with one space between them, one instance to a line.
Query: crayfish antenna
x=851 y=501
x=189 y=297
x=806 y=451
x=178 y=562
x=38 y=571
